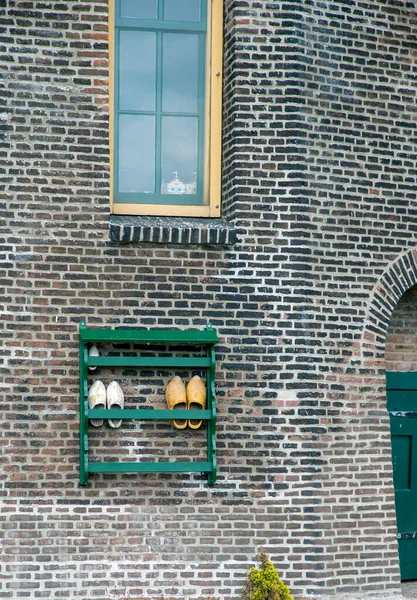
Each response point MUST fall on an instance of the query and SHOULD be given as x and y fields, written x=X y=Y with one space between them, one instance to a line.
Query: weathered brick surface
x=319 y=182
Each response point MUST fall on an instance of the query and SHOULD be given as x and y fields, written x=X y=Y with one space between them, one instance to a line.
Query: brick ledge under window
x=174 y=230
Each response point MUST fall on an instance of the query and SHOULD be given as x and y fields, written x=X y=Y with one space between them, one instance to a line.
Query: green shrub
x=264 y=583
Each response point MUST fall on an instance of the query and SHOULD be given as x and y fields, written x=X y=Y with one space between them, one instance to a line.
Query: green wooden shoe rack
x=151 y=338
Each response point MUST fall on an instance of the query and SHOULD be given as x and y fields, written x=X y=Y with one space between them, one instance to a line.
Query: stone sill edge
x=171 y=230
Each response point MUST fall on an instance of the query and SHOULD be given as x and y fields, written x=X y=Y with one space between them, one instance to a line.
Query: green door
x=402 y=407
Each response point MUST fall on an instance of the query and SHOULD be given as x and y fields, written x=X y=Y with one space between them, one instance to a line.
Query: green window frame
x=165 y=107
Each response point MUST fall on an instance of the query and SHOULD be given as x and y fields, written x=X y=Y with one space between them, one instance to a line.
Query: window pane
x=137 y=153
x=137 y=68
x=179 y=155
x=182 y=10
x=180 y=72
x=139 y=9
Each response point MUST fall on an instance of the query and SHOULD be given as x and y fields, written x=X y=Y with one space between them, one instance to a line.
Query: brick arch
x=398 y=277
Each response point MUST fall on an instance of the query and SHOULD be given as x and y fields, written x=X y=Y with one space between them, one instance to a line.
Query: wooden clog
x=97 y=399
x=115 y=399
x=93 y=351
x=176 y=398
x=196 y=399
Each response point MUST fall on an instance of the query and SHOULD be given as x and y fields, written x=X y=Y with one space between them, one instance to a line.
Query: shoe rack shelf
x=152 y=338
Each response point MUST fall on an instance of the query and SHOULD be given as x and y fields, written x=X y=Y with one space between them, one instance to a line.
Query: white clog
x=97 y=399
x=93 y=351
x=115 y=399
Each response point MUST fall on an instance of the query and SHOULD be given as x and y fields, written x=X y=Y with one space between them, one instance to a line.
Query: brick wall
x=401 y=343
x=319 y=181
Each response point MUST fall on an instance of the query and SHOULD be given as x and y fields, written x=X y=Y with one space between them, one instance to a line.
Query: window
x=165 y=112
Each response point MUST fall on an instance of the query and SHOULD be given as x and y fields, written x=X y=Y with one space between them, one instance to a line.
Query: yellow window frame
x=213 y=127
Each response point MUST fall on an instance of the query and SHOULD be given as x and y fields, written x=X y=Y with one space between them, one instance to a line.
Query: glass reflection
x=180 y=72
x=182 y=10
x=137 y=67
x=137 y=153
x=139 y=9
x=179 y=155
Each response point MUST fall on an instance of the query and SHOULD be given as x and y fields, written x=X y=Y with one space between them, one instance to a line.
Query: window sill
x=171 y=230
